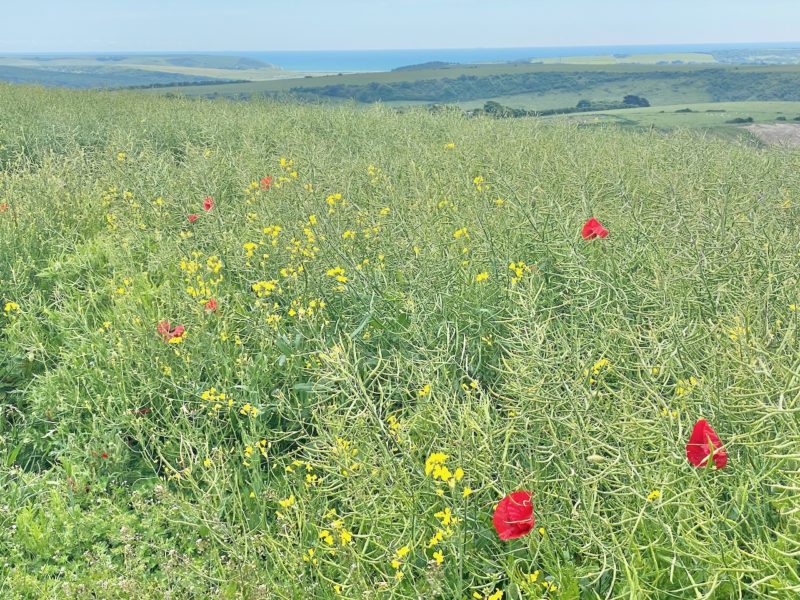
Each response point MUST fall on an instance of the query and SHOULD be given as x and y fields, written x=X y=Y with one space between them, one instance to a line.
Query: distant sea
x=334 y=61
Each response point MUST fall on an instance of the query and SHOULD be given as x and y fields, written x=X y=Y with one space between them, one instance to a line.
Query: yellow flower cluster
x=338 y=273
x=305 y=249
x=375 y=174
x=285 y=504
x=596 y=369
x=197 y=286
x=346 y=455
x=333 y=201
x=11 y=309
x=265 y=289
x=218 y=400
x=262 y=446
x=397 y=561
x=272 y=232
x=248 y=410
x=337 y=531
x=519 y=269
x=480 y=183
x=302 y=311
x=436 y=468
x=686 y=386
x=737 y=331
x=289 y=173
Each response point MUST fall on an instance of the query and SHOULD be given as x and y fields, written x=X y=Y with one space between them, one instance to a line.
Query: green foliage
x=497 y=110
x=723 y=84
x=569 y=373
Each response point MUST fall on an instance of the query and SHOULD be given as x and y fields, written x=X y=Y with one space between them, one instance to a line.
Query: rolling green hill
x=533 y=86
x=124 y=70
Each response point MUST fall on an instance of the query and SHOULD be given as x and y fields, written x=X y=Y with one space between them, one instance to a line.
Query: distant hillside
x=434 y=64
x=721 y=84
x=200 y=61
x=125 y=70
x=96 y=77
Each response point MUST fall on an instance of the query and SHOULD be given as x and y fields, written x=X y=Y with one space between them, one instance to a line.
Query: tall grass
x=378 y=346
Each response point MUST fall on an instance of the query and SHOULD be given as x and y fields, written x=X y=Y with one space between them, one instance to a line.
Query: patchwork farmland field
x=266 y=350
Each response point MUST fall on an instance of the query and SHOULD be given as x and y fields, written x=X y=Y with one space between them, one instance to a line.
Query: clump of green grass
x=368 y=318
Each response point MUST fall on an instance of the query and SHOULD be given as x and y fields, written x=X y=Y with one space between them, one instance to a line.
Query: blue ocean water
x=334 y=61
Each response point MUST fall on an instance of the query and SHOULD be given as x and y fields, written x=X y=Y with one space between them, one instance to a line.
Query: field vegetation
x=717 y=117
x=267 y=350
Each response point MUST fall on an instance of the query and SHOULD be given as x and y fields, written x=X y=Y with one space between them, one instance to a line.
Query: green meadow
x=724 y=119
x=406 y=326
x=124 y=70
x=654 y=59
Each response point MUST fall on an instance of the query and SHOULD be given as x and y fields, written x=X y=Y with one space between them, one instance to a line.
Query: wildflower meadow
x=267 y=350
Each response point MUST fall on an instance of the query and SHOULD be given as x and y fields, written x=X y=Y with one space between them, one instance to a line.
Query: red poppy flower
x=266 y=182
x=513 y=516
x=211 y=305
x=704 y=443
x=208 y=203
x=3 y=207
x=192 y=218
x=104 y=455
x=592 y=229
x=166 y=331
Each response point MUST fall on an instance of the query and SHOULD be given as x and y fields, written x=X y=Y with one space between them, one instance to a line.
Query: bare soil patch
x=783 y=134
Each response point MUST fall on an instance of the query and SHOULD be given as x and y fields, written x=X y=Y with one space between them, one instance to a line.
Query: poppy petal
x=592 y=229
x=513 y=517
x=704 y=443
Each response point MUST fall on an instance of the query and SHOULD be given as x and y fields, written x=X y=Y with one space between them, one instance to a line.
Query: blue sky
x=154 y=25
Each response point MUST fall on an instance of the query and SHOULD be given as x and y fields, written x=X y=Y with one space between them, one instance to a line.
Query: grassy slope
x=655 y=58
x=94 y=77
x=452 y=71
x=122 y=70
x=695 y=280
x=487 y=70
x=703 y=115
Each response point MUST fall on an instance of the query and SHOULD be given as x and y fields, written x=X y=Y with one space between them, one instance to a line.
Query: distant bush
x=495 y=109
x=632 y=100
x=684 y=110
x=740 y=120
x=780 y=118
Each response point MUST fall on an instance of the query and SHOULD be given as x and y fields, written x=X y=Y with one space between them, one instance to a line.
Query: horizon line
x=603 y=45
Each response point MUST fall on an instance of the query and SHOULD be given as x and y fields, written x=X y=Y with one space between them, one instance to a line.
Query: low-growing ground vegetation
x=265 y=350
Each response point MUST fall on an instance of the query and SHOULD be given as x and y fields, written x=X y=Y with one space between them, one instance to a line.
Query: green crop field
x=715 y=116
x=650 y=59
x=268 y=350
